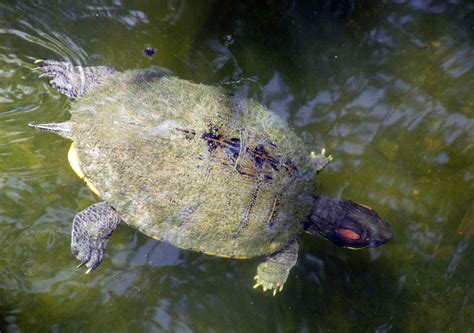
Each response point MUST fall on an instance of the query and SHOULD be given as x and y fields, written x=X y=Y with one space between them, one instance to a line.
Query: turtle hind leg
x=273 y=272
x=72 y=81
x=91 y=230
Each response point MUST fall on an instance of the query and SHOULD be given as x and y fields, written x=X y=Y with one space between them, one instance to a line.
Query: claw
x=274 y=288
x=38 y=61
x=89 y=270
x=81 y=264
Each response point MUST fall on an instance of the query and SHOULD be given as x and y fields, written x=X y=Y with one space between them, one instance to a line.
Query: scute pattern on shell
x=141 y=139
x=260 y=162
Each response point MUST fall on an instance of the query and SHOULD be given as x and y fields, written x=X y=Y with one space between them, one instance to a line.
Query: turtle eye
x=349 y=234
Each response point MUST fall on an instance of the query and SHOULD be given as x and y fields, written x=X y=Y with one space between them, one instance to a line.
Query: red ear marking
x=347 y=233
x=365 y=206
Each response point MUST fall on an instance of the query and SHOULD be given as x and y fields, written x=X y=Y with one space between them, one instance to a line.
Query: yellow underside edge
x=75 y=165
x=209 y=253
x=224 y=256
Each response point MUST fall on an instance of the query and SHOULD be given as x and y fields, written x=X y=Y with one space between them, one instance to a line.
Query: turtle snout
x=387 y=235
x=381 y=236
x=377 y=241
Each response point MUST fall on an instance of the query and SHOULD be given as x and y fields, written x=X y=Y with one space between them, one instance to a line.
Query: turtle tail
x=62 y=129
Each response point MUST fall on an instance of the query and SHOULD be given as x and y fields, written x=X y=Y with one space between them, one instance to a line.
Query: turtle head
x=348 y=224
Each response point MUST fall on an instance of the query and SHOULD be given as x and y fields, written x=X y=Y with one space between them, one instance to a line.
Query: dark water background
x=386 y=86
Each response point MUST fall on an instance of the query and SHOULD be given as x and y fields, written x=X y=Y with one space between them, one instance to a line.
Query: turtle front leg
x=91 y=230
x=320 y=160
x=72 y=81
x=273 y=272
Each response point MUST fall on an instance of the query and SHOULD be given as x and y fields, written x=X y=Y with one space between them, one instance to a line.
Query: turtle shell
x=191 y=165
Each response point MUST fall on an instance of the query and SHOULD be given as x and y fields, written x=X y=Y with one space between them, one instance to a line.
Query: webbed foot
x=91 y=230
x=72 y=81
x=268 y=285
x=273 y=272
x=320 y=160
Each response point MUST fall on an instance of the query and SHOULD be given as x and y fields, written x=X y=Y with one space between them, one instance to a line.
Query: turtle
x=197 y=167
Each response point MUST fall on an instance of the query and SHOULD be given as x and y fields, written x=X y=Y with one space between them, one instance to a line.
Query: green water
x=386 y=86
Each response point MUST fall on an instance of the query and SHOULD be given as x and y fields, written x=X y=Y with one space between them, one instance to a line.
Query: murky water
x=386 y=86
